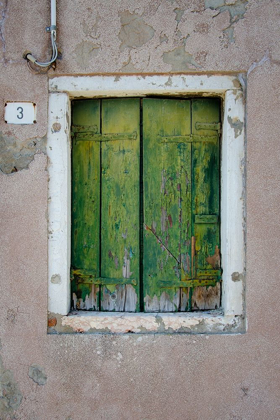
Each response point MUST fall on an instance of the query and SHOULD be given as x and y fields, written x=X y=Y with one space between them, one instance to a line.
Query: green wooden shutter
x=206 y=201
x=177 y=251
x=85 y=202
x=105 y=204
x=181 y=204
x=120 y=204
x=167 y=201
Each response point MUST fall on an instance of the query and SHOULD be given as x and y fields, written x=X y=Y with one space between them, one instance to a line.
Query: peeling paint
x=12 y=315
x=202 y=28
x=128 y=67
x=37 y=374
x=179 y=14
x=56 y=127
x=134 y=31
x=52 y=321
x=236 y=124
x=180 y=59
x=201 y=57
x=10 y=395
x=126 y=265
x=237 y=276
x=56 y=279
x=258 y=63
x=4 y=10
x=214 y=260
x=120 y=323
x=236 y=10
x=227 y=37
x=84 y=52
x=90 y=30
x=16 y=155
x=163 y=38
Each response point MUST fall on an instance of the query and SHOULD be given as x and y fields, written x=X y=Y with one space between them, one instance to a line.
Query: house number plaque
x=20 y=113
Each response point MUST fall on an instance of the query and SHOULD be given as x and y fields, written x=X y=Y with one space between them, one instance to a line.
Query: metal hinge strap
x=88 y=276
x=89 y=133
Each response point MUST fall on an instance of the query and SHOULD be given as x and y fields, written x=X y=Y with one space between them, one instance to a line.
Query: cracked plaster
x=16 y=155
x=10 y=394
x=180 y=60
x=134 y=31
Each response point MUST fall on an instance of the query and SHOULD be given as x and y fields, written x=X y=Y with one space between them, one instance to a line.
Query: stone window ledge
x=147 y=323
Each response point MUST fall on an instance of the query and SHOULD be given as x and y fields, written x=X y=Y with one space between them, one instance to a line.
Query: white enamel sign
x=20 y=113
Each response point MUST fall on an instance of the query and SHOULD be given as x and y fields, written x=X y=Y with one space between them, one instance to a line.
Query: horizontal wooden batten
x=187 y=283
x=191 y=138
x=91 y=135
x=86 y=276
x=84 y=129
x=206 y=218
x=209 y=273
x=208 y=126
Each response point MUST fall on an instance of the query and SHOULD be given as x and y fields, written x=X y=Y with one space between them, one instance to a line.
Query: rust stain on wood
x=215 y=259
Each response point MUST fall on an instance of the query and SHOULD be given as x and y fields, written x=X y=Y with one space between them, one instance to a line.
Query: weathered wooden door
x=145 y=204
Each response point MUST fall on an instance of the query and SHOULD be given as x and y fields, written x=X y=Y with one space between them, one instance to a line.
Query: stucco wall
x=145 y=377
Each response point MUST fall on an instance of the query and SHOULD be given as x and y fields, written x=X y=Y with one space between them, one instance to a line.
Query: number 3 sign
x=20 y=113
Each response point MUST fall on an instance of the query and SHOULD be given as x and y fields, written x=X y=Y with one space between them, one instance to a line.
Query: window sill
x=212 y=322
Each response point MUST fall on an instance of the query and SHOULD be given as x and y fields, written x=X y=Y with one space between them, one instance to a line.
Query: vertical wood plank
x=166 y=174
x=206 y=199
x=85 y=203
x=120 y=251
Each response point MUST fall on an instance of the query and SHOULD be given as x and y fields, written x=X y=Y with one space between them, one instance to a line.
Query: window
x=145 y=204
x=230 y=317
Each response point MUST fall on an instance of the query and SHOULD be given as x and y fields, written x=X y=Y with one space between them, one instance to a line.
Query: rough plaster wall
x=130 y=377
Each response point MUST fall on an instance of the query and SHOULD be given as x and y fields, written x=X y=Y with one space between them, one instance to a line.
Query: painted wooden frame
x=62 y=90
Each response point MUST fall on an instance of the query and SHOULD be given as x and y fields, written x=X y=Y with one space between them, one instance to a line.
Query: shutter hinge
x=90 y=133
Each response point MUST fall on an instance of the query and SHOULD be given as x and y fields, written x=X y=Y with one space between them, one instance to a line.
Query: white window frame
x=231 y=317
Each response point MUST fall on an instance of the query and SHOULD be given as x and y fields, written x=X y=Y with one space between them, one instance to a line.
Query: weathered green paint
x=205 y=186
x=187 y=283
x=181 y=237
x=85 y=196
x=120 y=254
x=180 y=150
x=88 y=276
x=167 y=200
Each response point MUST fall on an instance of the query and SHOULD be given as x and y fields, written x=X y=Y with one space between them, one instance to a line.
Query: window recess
x=146 y=204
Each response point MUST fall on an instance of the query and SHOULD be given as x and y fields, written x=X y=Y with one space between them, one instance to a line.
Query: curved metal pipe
x=52 y=29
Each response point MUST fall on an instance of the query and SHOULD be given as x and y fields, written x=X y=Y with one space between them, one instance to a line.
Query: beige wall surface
x=139 y=377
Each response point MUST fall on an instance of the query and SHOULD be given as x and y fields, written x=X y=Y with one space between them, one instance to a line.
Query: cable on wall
x=27 y=55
